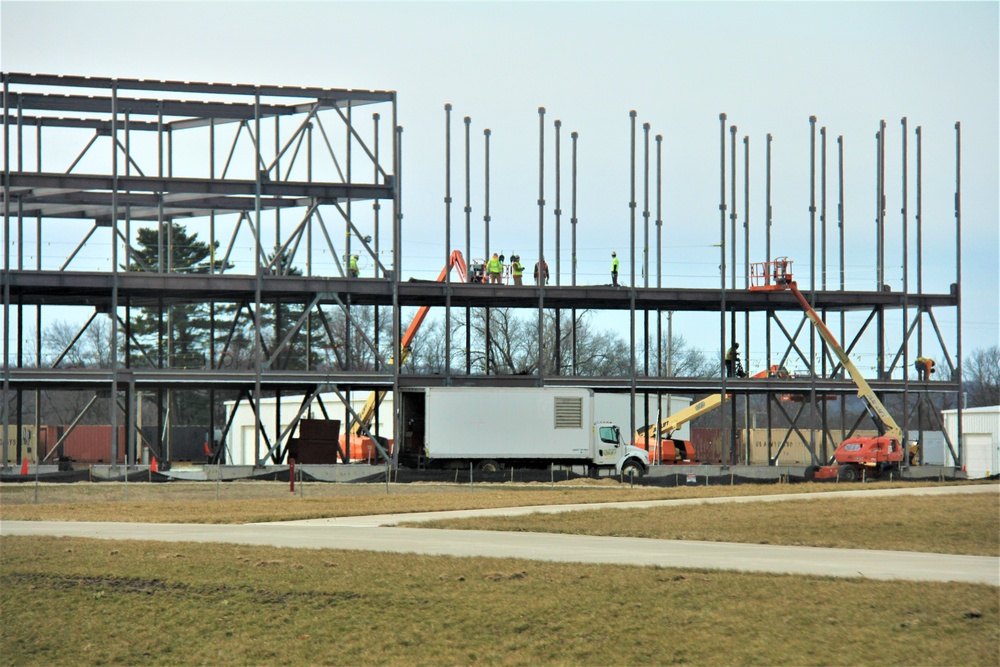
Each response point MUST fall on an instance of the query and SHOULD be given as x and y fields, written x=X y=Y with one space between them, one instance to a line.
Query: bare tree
x=981 y=372
x=91 y=350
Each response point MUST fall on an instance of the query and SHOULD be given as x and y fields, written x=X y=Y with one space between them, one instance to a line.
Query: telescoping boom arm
x=886 y=424
x=670 y=424
x=367 y=413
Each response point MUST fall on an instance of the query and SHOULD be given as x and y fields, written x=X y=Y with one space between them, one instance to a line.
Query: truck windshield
x=609 y=434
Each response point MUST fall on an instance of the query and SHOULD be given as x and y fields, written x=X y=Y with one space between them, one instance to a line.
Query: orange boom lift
x=858 y=454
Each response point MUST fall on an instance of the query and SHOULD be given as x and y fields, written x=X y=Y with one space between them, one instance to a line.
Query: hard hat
x=494 y=254
x=613 y=254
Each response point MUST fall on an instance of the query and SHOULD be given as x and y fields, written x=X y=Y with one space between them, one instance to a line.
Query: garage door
x=980 y=455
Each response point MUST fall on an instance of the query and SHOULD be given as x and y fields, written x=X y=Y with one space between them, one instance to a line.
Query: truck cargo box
x=543 y=423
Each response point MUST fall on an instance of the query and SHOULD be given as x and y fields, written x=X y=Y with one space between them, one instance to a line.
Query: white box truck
x=453 y=427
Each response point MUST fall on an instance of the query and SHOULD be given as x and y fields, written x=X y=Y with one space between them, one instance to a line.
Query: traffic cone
x=153 y=467
x=24 y=466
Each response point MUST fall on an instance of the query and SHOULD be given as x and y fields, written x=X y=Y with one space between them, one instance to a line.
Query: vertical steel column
x=724 y=409
x=659 y=255
x=6 y=264
x=746 y=283
x=113 y=306
x=920 y=292
x=572 y=221
x=557 y=337
x=38 y=308
x=376 y=202
x=905 y=318
x=659 y=274
x=131 y=441
x=20 y=307
x=348 y=320
x=843 y=276
x=468 y=244
x=160 y=267
x=447 y=243
x=488 y=344
x=376 y=207
x=958 y=286
x=881 y=248
x=397 y=219
x=733 y=452
x=767 y=255
x=541 y=244
x=631 y=308
x=920 y=247
x=812 y=279
x=558 y=214
x=258 y=343
x=645 y=265
x=824 y=413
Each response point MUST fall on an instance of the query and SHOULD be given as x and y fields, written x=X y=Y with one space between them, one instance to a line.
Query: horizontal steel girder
x=195 y=379
x=86 y=288
x=188 y=87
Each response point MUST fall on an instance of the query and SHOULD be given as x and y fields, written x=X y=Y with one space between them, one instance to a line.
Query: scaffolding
x=233 y=161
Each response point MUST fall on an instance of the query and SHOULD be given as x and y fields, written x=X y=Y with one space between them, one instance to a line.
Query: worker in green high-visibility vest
x=495 y=269
x=516 y=269
x=352 y=267
x=614 y=268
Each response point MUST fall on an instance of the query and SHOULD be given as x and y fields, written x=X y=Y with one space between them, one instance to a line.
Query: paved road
x=377 y=534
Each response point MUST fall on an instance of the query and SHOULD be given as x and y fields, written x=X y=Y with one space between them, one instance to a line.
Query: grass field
x=247 y=502
x=940 y=524
x=92 y=602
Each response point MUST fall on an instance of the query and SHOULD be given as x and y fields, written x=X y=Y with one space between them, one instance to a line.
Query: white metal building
x=240 y=441
x=980 y=436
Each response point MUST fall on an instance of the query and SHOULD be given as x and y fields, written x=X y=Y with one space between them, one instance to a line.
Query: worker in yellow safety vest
x=352 y=267
x=614 y=268
x=495 y=269
x=516 y=269
x=924 y=368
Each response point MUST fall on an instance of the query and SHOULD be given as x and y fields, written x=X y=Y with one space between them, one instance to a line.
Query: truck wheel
x=489 y=465
x=632 y=469
x=849 y=474
x=810 y=473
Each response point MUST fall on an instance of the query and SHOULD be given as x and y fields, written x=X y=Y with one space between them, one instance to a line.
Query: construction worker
x=516 y=269
x=352 y=267
x=495 y=269
x=732 y=359
x=614 y=268
x=924 y=368
x=545 y=272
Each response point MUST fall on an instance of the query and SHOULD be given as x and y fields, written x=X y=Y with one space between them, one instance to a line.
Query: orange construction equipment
x=362 y=448
x=856 y=455
x=669 y=451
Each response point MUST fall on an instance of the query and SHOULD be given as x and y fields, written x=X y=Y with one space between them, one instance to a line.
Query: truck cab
x=610 y=449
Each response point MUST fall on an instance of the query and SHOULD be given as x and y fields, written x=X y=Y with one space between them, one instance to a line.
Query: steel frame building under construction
x=229 y=160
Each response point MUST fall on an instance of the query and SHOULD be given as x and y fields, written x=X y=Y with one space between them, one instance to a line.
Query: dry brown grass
x=957 y=524
x=250 y=502
x=93 y=602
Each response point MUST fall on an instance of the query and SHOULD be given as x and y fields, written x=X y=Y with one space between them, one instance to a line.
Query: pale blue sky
x=769 y=66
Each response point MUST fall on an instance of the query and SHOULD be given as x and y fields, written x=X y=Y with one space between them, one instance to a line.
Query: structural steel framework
x=92 y=162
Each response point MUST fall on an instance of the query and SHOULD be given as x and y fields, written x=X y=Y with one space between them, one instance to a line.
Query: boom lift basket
x=771 y=276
